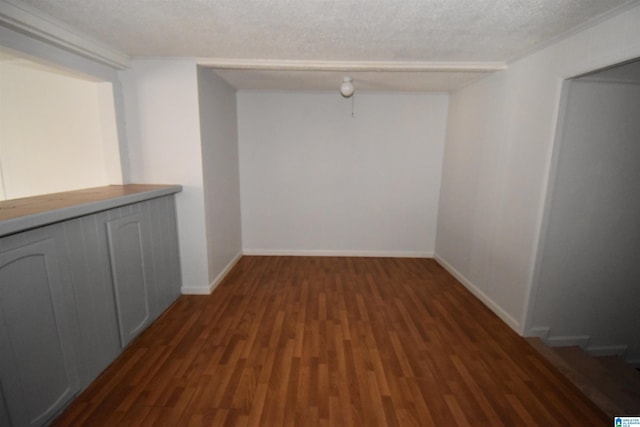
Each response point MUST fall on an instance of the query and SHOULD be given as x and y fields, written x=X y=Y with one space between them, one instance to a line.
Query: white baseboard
x=541 y=332
x=306 y=252
x=569 y=341
x=607 y=350
x=219 y=278
x=493 y=306
x=225 y=271
x=195 y=290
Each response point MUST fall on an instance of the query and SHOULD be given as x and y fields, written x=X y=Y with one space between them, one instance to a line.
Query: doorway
x=588 y=291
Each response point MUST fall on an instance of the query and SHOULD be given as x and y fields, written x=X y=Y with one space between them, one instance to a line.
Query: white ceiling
x=418 y=33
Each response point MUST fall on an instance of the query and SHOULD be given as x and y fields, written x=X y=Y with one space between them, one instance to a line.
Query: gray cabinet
x=145 y=263
x=73 y=294
x=37 y=366
x=97 y=340
x=164 y=259
x=126 y=250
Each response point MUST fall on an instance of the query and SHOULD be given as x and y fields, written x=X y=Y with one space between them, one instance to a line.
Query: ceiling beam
x=397 y=66
x=34 y=23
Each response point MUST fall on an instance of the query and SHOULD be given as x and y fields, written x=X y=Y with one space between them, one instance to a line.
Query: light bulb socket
x=346 y=88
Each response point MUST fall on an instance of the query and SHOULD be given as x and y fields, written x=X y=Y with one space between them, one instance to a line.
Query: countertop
x=30 y=212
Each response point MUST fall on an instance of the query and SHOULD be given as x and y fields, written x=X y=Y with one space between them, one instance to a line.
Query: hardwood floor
x=332 y=341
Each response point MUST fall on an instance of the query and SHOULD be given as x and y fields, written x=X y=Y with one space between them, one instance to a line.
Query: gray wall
x=219 y=136
x=589 y=269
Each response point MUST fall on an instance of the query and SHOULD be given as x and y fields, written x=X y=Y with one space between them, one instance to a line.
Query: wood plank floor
x=320 y=341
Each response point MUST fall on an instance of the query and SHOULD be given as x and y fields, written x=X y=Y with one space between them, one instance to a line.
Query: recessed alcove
x=57 y=129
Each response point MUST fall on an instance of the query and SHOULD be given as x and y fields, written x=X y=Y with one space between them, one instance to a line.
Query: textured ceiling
x=422 y=31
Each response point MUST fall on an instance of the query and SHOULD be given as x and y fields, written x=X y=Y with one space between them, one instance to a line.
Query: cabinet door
x=86 y=250
x=36 y=364
x=164 y=258
x=126 y=251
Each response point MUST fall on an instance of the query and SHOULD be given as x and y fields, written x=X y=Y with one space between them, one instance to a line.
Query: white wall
x=589 y=268
x=163 y=129
x=58 y=131
x=497 y=159
x=219 y=135
x=315 y=180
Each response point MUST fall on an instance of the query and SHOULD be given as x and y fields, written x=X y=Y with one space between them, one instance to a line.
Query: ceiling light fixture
x=346 y=88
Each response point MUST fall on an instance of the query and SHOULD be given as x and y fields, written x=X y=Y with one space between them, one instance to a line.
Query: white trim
x=219 y=278
x=305 y=252
x=608 y=80
x=542 y=217
x=495 y=307
x=607 y=350
x=315 y=65
x=568 y=341
x=541 y=332
x=195 y=290
x=36 y=24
